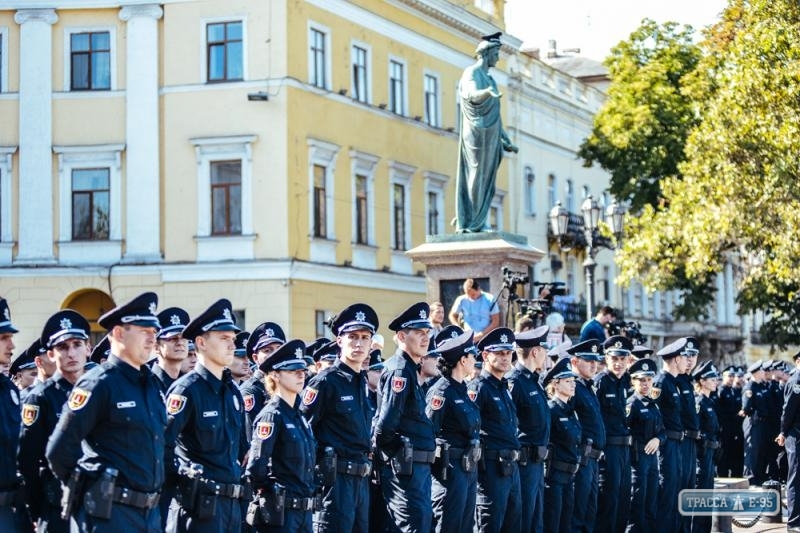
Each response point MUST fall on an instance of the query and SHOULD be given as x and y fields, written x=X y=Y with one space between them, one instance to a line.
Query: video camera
x=511 y=279
x=631 y=330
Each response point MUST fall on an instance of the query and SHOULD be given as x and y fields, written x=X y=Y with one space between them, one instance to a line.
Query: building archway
x=92 y=304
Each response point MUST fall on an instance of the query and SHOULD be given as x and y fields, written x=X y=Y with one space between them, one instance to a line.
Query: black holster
x=443 y=458
x=99 y=498
x=71 y=496
x=472 y=456
x=268 y=507
x=51 y=487
x=403 y=461
x=326 y=468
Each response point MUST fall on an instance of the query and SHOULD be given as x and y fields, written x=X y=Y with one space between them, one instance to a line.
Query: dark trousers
x=13 y=521
x=379 y=519
x=688 y=475
x=755 y=457
x=793 y=482
x=705 y=480
x=732 y=462
x=531 y=482
x=559 y=500
x=585 y=512
x=499 y=507
x=227 y=517
x=644 y=498
x=293 y=521
x=669 y=466
x=50 y=520
x=124 y=519
x=409 y=498
x=614 y=499
x=454 y=499
x=345 y=506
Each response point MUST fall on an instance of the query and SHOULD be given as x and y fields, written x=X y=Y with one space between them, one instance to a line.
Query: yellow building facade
x=283 y=154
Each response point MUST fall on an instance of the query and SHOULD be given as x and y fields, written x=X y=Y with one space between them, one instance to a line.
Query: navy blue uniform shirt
x=790 y=420
x=729 y=402
x=612 y=393
x=164 y=379
x=335 y=404
x=254 y=395
x=707 y=417
x=498 y=414
x=644 y=419
x=206 y=425
x=754 y=399
x=116 y=412
x=689 y=417
x=10 y=419
x=565 y=433
x=401 y=408
x=530 y=401
x=455 y=417
x=587 y=407
x=282 y=450
x=668 y=398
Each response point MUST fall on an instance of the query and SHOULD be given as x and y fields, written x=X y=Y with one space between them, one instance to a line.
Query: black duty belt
x=134 y=498
x=569 y=468
x=534 y=454
x=228 y=490
x=757 y=418
x=625 y=440
x=7 y=498
x=353 y=468
x=691 y=434
x=300 y=504
x=711 y=444
x=420 y=456
x=674 y=435
x=507 y=455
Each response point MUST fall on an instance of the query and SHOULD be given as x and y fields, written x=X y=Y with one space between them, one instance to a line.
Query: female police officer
x=281 y=463
x=565 y=438
x=705 y=377
x=456 y=421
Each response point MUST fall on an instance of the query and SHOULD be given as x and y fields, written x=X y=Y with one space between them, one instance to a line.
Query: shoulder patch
x=78 y=398
x=310 y=396
x=14 y=395
x=249 y=402
x=264 y=430
x=748 y=393
x=473 y=394
x=398 y=383
x=628 y=410
x=796 y=388
x=437 y=402
x=175 y=404
x=655 y=392
x=30 y=413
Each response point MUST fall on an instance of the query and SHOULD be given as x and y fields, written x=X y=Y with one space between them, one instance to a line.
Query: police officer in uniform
x=584 y=357
x=22 y=372
x=263 y=341
x=456 y=421
x=668 y=398
x=729 y=402
x=336 y=406
x=281 y=460
x=205 y=437
x=691 y=423
x=615 y=468
x=403 y=434
x=171 y=347
x=45 y=367
x=101 y=352
x=788 y=438
x=499 y=495
x=706 y=376
x=565 y=449
x=113 y=428
x=754 y=407
x=533 y=413
x=66 y=338
x=240 y=368
x=647 y=429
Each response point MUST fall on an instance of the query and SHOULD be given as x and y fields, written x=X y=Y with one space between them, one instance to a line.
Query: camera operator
x=476 y=309
x=596 y=327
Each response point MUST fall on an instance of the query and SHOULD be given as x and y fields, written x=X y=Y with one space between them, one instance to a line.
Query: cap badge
x=269 y=332
x=175 y=320
x=618 y=344
x=152 y=308
x=690 y=345
x=423 y=314
x=227 y=313
x=65 y=323
x=360 y=316
x=504 y=338
x=594 y=348
x=298 y=352
x=645 y=367
x=453 y=334
x=7 y=314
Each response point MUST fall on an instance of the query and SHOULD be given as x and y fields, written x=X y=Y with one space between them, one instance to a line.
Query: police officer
x=456 y=421
x=171 y=347
x=205 y=437
x=775 y=395
x=45 y=367
x=499 y=505
x=615 y=467
x=533 y=413
x=668 y=398
x=281 y=459
x=113 y=428
x=325 y=354
x=565 y=449
x=788 y=438
x=754 y=407
x=336 y=406
x=584 y=358
x=23 y=372
x=101 y=351
x=263 y=341
x=640 y=351
x=403 y=434
x=647 y=429
x=706 y=376
x=729 y=402
x=240 y=368
x=66 y=338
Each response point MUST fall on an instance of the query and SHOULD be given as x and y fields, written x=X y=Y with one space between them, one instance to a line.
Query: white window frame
x=3 y=59
x=497 y=203
x=436 y=121
x=552 y=190
x=328 y=53
x=322 y=153
x=404 y=86
x=364 y=164
x=6 y=169
x=435 y=183
x=569 y=192
x=204 y=22
x=112 y=37
x=368 y=73
x=400 y=174
x=530 y=190
x=89 y=156
x=227 y=148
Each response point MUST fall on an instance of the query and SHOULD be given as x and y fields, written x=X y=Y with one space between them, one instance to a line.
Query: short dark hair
x=470 y=283
x=607 y=310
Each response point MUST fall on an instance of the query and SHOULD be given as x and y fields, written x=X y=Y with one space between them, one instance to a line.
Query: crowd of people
x=225 y=430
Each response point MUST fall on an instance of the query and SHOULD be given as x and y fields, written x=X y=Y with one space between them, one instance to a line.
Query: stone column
x=142 y=138
x=35 y=245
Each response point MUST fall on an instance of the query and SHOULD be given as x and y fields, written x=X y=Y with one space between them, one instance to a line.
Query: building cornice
x=81 y=4
x=29 y=14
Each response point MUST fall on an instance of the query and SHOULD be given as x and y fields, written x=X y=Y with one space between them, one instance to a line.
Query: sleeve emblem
x=437 y=402
x=30 y=413
x=309 y=396
x=264 y=430
x=249 y=402
x=655 y=392
x=175 y=404
x=78 y=399
x=398 y=383
x=473 y=394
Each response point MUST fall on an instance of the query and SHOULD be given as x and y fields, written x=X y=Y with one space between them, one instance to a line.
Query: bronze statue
x=482 y=139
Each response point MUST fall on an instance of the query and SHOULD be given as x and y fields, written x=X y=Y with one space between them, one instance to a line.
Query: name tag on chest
x=458 y=401
x=209 y=414
x=290 y=426
x=345 y=398
x=126 y=405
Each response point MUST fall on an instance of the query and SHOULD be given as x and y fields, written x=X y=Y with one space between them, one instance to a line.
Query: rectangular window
x=90 y=61
x=226 y=197
x=399 y=216
x=318 y=52
x=494 y=218
x=360 y=74
x=321 y=329
x=397 y=87
x=432 y=100
x=320 y=202
x=90 y=204
x=362 y=213
x=551 y=191
x=433 y=213
x=225 y=48
x=530 y=191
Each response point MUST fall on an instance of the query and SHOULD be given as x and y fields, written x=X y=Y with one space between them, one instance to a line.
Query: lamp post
x=559 y=222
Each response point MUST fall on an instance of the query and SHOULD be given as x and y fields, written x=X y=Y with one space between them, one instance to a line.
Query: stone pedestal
x=474 y=255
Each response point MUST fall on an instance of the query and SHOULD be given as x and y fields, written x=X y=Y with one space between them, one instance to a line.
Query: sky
x=595 y=26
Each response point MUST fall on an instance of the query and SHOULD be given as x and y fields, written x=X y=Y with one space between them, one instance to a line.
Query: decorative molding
x=152 y=11
x=23 y=16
